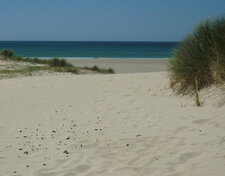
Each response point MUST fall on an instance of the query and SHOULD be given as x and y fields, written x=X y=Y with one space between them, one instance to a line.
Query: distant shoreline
x=112 y=58
x=127 y=65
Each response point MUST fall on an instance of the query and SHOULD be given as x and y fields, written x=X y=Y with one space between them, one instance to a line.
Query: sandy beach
x=121 y=124
x=112 y=88
x=124 y=65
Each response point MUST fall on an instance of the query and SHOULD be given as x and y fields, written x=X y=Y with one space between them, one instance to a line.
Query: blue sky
x=104 y=20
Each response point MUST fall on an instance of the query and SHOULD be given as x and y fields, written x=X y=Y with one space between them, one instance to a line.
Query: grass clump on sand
x=100 y=70
x=199 y=61
x=55 y=62
x=7 y=53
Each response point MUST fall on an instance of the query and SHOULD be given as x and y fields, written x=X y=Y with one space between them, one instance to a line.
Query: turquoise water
x=91 y=49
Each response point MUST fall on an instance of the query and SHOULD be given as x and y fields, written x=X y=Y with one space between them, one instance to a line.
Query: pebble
x=66 y=152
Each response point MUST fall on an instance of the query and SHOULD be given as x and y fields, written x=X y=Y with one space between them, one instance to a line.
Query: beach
x=134 y=65
x=119 y=124
x=112 y=88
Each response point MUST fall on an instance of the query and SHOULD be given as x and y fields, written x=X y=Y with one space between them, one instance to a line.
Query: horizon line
x=84 y=41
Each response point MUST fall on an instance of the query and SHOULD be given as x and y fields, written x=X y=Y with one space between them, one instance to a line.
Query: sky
x=103 y=20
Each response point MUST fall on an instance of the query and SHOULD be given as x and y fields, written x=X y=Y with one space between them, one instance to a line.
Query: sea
x=90 y=49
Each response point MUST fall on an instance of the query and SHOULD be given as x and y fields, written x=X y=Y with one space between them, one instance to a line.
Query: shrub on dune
x=55 y=62
x=199 y=61
x=7 y=53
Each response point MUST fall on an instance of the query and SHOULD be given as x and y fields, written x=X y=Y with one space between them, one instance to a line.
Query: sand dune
x=129 y=124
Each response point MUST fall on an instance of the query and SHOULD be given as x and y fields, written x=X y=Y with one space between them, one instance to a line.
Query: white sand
x=129 y=124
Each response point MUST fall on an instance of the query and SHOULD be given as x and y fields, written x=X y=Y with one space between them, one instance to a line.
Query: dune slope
x=128 y=124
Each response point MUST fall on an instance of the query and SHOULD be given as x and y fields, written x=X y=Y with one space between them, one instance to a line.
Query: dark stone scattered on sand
x=26 y=152
x=96 y=129
x=138 y=135
x=27 y=166
x=44 y=164
x=67 y=138
x=53 y=131
x=66 y=152
x=21 y=131
x=25 y=136
x=128 y=145
x=14 y=172
x=20 y=149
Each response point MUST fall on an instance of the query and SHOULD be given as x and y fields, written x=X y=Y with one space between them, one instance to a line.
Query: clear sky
x=103 y=20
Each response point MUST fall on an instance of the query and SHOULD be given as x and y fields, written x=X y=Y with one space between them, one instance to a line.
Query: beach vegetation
x=95 y=68
x=56 y=62
x=6 y=53
x=40 y=64
x=199 y=61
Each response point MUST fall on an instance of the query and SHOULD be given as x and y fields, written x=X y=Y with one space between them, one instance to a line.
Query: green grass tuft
x=100 y=70
x=200 y=58
x=7 y=53
x=56 y=62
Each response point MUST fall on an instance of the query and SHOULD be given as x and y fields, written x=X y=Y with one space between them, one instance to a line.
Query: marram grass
x=199 y=61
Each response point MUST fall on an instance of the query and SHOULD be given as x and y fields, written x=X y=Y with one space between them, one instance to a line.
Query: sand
x=125 y=65
x=98 y=125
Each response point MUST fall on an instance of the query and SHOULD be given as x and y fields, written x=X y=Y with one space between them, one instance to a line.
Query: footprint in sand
x=184 y=157
x=82 y=168
x=181 y=159
x=179 y=129
x=70 y=174
x=201 y=121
